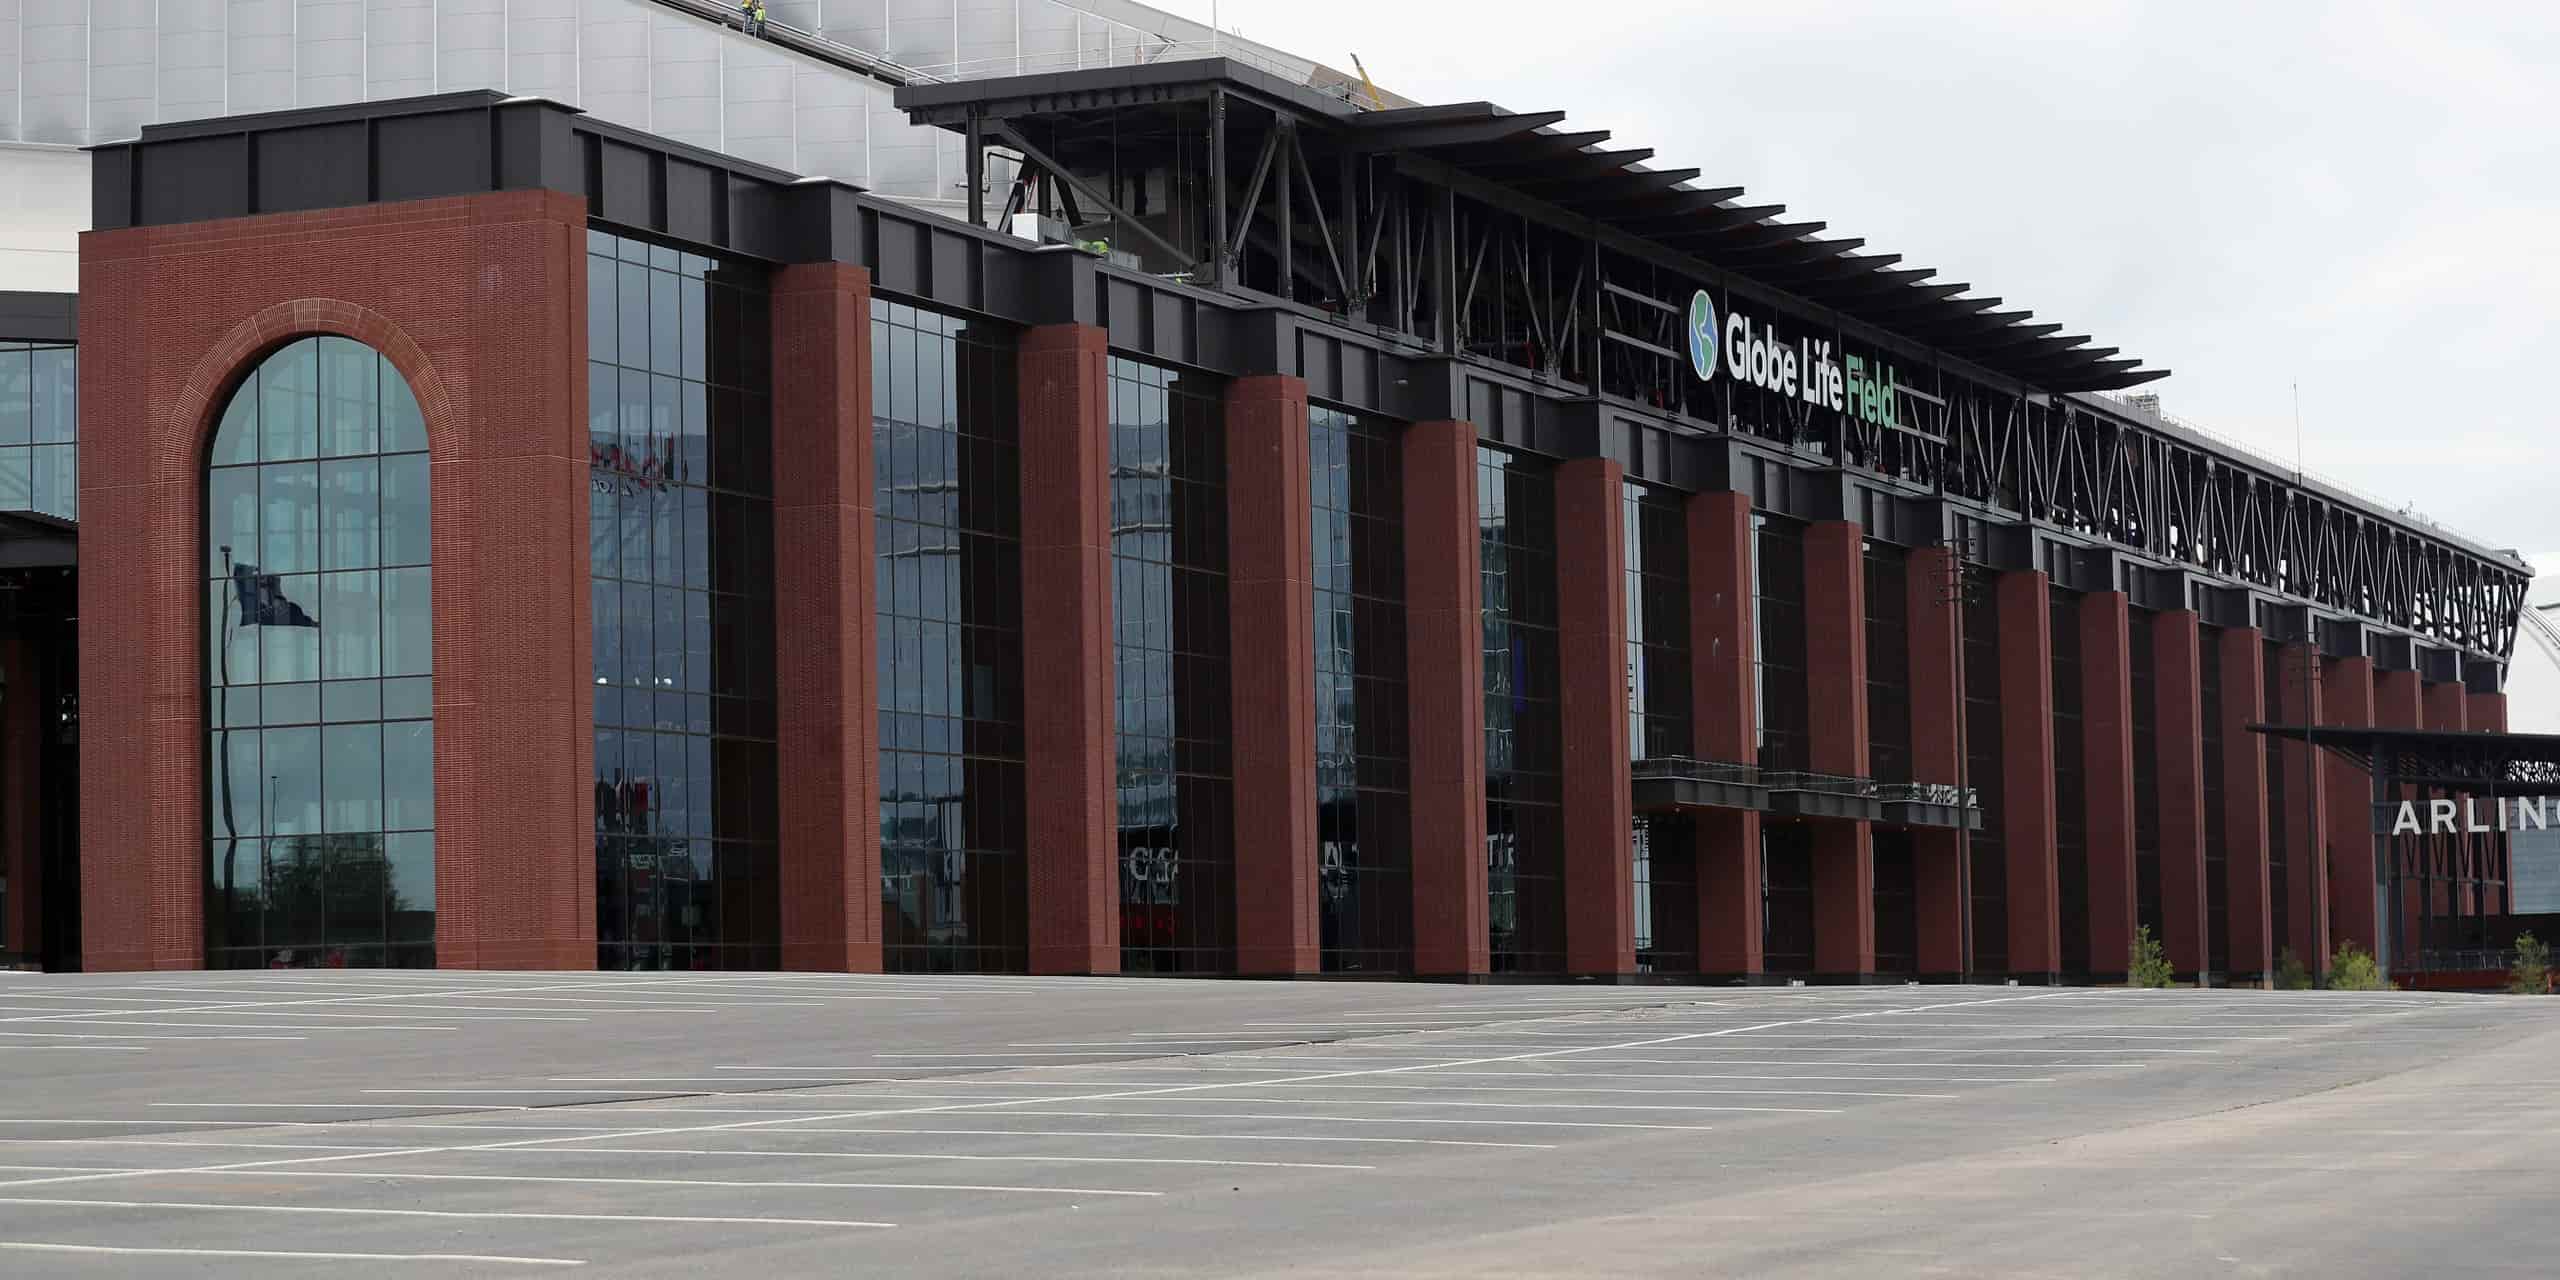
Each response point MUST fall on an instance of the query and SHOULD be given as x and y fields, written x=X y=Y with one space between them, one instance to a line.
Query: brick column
x=2177 y=687
x=2301 y=698
x=2399 y=702
x=2022 y=603
x=1599 y=831
x=1722 y=636
x=1444 y=699
x=2106 y=777
x=1936 y=619
x=1070 y=808
x=1271 y=629
x=170 y=319
x=2448 y=710
x=1844 y=871
x=2247 y=905
x=826 y=666
x=2487 y=712
x=2347 y=689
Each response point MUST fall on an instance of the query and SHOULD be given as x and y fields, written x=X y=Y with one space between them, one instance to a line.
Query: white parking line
x=1185 y=1137
x=931 y=1156
x=1258 y=1115
x=454 y=1214
x=77 y=1035
x=40 y=1246
x=390 y=1175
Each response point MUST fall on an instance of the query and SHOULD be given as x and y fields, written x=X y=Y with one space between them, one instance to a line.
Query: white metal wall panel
x=984 y=31
x=195 y=40
x=471 y=45
x=260 y=69
x=859 y=24
x=684 y=79
x=400 y=48
x=834 y=119
x=542 y=49
x=329 y=43
x=10 y=11
x=756 y=86
x=922 y=33
x=1048 y=37
x=124 y=58
x=613 y=61
x=53 y=72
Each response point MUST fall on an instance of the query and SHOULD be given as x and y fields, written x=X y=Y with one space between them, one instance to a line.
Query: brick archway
x=479 y=302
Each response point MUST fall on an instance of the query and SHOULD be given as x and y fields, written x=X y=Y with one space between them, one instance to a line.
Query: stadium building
x=1222 y=520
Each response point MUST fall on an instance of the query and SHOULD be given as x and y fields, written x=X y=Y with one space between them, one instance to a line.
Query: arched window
x=321 y=773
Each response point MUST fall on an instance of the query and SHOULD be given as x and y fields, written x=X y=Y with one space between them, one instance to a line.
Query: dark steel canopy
x=1538 y=156
x=2508 y=764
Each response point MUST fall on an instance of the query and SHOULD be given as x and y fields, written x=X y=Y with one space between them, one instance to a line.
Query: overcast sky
x=2364 y=198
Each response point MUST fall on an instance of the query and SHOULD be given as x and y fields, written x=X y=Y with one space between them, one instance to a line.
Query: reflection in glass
x=948 y=562
x=682 y=605
x=307 y=581
x=1363 y=818
x=1169 y=614
x=1515 y=520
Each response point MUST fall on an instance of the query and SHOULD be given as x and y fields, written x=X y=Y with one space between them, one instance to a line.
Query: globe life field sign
x=1754 y=354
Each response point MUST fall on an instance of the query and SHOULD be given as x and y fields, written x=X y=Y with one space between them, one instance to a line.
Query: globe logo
x=1702 y=336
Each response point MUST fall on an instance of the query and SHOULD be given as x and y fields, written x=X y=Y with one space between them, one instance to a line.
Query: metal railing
x=1735 y=773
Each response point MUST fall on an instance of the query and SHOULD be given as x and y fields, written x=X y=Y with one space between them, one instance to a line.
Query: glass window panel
x=17 y=396
x=408 y=641
x=235 y=647
x=412 y=905
x=633 y=350
x=291 y=653
x=289 y=403
x=409 y=775
x=289 y=704
x=350 y=625
x=236 y=807
x=292 y=780
x=345 y=701
x=353 y=777
x=17 y=479
x=289 y=506
x=231 y=517
x=404 y=510
x=408 y=699
x=350 y=402
x=57 y=480
x=236 y=439
x=404 y=428
x=696 y=336
x=601 y=307
x=350 y=514
x=57 y=387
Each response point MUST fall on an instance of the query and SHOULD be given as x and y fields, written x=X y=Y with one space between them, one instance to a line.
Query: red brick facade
x=825 y=663
x=480 y=303
x=2106 y=746
x=1070 y=805
x=1591 y=688
x=1444 y=683
x=1271 y=625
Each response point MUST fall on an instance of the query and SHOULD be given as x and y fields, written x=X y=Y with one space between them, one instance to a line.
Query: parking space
x=262 y=1123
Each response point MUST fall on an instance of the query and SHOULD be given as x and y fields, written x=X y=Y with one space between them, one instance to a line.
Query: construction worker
x=759 y=19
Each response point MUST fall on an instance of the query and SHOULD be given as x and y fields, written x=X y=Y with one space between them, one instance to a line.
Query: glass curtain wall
x=2070 y=783
x=1888 y=636
x=1658 y=723
x=1363 y=808
x=680 y=546
x=1777 y=596
x=1990 y=862
x=321 y=814
x=949 y=565
x=39 y=429
x=2217 y=891
x=1169 y=619
x=1524 y=838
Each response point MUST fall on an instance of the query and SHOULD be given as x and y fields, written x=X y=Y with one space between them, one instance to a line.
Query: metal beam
x=1014 y=138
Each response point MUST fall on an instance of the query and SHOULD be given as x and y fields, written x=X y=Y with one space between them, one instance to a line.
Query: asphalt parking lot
x=418 y=1123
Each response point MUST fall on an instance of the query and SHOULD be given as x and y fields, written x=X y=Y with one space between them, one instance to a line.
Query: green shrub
x=2290 y=975
x=2146 y=965
x=2532 y=974
x=2353 y=969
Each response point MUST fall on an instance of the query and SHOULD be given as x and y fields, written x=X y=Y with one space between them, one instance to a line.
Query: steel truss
x=1438 y=234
